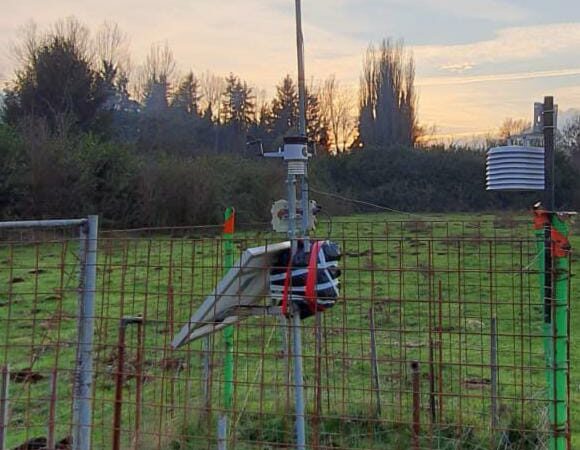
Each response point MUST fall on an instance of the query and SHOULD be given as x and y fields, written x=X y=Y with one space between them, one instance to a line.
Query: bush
x=47 y=176
x=429 y=180
x=12 y=172
x=43 y=175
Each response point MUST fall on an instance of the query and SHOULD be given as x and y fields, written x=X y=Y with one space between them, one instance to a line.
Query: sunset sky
x=478 y=61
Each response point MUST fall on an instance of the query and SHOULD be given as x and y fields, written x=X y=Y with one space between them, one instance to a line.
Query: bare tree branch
x=212 y=88
x=112 y=48
x=338 y=106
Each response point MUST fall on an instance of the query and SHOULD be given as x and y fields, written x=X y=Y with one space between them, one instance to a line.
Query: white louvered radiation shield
x=515 y=168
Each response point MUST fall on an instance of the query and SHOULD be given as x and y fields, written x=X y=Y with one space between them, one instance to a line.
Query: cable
x=381 y=207
x=329 y=217
x=365 y=203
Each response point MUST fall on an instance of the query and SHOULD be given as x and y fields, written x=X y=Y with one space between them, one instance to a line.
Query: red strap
x=311 y=278
x=560 y=244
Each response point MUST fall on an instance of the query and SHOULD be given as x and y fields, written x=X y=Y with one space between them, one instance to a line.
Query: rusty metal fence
x=47 y=290
x=437 y=342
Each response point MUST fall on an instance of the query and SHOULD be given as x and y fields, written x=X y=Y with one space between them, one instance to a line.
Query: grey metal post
x=4 y=382
x=55 y=223
x=84 y=365
x=301 y=78
x=222 y=427
x=291 y=181
x=296 y=327
x=305 y=208
x=302 y=121
x=285 y=348
x=374 y=363
x=298 y=381
x=549 y=197
x=302 y=232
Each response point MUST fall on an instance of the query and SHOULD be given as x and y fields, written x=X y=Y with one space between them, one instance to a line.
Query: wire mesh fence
x=48 y=284
x=436 y=341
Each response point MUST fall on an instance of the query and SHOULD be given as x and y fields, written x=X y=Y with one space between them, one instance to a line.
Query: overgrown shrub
x=45 y=175
x=429 y=180
x=12 y=170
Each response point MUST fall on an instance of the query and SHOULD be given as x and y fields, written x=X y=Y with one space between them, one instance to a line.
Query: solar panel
x=242 y=292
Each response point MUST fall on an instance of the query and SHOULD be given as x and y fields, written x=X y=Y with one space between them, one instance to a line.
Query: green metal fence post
x=228 y=234
x=553 y=252
x=560 y=335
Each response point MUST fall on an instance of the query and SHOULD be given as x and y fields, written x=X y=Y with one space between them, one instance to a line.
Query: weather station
x=527 y=164
x=293 y=280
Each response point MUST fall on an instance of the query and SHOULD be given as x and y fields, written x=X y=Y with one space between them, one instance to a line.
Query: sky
x=478 y=61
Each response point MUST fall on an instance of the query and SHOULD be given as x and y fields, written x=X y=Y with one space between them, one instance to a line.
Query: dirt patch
x=40 y=443
x=26 y=376
x=476 y=383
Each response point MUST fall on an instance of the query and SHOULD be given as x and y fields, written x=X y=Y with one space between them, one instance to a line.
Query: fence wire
x=436 y=341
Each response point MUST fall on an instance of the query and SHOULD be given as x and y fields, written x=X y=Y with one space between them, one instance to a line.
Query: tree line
x=82 y=132
x=77 y=81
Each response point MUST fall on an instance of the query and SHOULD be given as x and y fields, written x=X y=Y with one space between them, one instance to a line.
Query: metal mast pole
x=302 y=130
x=300 y=180
x=301 y=233
x=301 y=78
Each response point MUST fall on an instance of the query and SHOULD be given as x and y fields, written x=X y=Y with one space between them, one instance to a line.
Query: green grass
x=163 y=278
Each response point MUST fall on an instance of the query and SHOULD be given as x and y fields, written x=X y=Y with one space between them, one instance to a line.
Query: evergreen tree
x=238 y=107
x=261 y=130
x=238 y=116
x=282 y=118
x=58 y=81
x=186 y=97
x=316 y=126
x=284 y=115
x=156 y=94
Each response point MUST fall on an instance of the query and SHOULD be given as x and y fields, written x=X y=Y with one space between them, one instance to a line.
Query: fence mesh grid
x=436 y=341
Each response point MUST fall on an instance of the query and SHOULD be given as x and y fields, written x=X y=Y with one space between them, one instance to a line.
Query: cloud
x=458 y=68
x=536 y=56
x=460 y=83
x=454 y=80
x=508 y=45
x=255 y=39
x=567 y=97
x=494 y=10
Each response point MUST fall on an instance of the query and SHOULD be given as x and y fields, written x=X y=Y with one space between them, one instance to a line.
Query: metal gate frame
x=83 y=372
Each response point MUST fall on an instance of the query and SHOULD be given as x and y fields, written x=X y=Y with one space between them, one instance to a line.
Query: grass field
x=433 y=286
